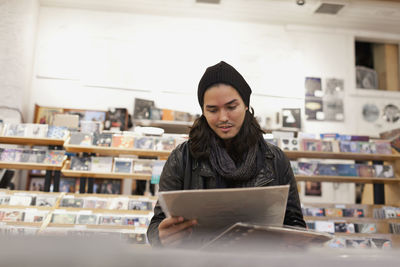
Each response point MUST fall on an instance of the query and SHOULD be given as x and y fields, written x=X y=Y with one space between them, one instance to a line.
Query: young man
x=226 y=149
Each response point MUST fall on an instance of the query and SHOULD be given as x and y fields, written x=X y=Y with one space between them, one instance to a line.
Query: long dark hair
x=200 y=135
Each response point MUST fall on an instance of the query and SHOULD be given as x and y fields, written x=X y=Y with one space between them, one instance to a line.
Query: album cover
x=90 y=126
x=306 y=168
x=135 y=221
x=71 y=202
x=311 y=144
x=86 y=219
x=365 y=170
x=349 y=146
x=101 y=164
x=134 y=238
x=55 y=157
x=69 y=185
x=36 y=184
x=57 y=132
x=143 y=166
x=364 y=147
x=63 y=218
x=325 y=227
x=21 y=130
x=26 y=155
x=37 y=155
x=45 y=201
x=314 y=109
x=134 y=204
x=349 y=212
x=342 y=227
x=144 y=143
x=164 y=143
x=123 y=165
x=365 y=228
x=326 y=146
x=9 y=154
x=102 y=139
x=118 y=204
x=36 y=130
x=82 y=139
x=11 y=129
x=117 y=118
x=313 y=189
x=291 y=118
x=295 y=167
x=122 y=141
x=313 y=87
x=381 y=243
x=12 y=216
x=4 y=199
x=384 y=171
x=155 y=114
x=291 y=144
x=103 y=186
x=80 y=163
x=383 y=147
x=314 y=211
x=110 y=220
x=358 y=243
x=142 y=109
x=101 y=204
x=326 y=169
x=35 y=216
x=17 y=200
x=333 y=212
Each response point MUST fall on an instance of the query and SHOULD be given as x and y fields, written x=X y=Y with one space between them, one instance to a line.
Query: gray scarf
x=226 y=167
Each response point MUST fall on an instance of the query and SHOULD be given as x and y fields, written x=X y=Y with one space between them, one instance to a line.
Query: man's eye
x=212 y=110
x=232 y=107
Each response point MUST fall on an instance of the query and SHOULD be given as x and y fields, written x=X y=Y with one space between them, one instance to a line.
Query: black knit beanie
x=223 y=73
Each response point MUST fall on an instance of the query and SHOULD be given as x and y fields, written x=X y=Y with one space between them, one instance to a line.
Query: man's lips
x=225 y=128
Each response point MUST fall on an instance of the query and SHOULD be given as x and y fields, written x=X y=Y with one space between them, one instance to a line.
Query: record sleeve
x=101 y=164
x=144 y=143
x=63 y=218
x=123 y=165
x=80 y=163
x=57 y=132
x=82 y=139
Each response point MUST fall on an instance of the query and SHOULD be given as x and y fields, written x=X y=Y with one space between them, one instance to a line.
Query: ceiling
x=382 y=15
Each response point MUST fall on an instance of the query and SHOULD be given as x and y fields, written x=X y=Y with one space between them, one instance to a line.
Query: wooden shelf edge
x=347 y=179
x=30 y=166
x=341 y=155
x=17 y=140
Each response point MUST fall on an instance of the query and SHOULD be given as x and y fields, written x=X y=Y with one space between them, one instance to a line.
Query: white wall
x=18 y=25
x=95 y=60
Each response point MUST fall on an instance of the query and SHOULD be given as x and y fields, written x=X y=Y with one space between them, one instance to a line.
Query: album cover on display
x=134 y=204
x=4 y=199
x=311 y=144
x=326 y=169
x=135 y=221
x=35 y=216
x=101 y=204
x=101 y=164
x=144 y=143
x=69 y=185
x=314 y=211
x=365 y=228
x=11 y=129
x=12 y=215
x=102 y=139
x=142 y=108
x=325 y=227
x=37 y=155
x=313 y=86
x=82 y=139
x=55 y=157
x=384 y=171
x=291 y=118
x=118 y=204
x=164 y=143
x=86 y=219
x=291 y=144
x=18 y=200
x=365 y=170
x=123 y=165
x=63 y=218
x=26 y=154
x=333 y=212
x=347 y=170
x=122 y=141
x=36 y=130
x=45 y=201
x=110 y=220
x=314 y=108
x=80 y=163
x=349 y=212
x=9 y=155
x=348 y=146
x=143 y=166
x=307 y=168
x=117 y=118
x=295 y=167
x=383 y=147
x=57 y=132
x=107 y=186
x=364 y=147
x=342 y=227
x=71 y=202
x=36 y=184
x=90 y=126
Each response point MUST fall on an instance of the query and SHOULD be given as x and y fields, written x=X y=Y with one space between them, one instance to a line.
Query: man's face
x=224 y=110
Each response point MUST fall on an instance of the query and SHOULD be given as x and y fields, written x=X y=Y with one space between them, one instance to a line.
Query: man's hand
x=173 y=230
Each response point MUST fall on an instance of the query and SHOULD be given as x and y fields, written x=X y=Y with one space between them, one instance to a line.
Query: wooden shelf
x=17 y=140
x=115 y=151
x=347 y=179
x=30 y=166
x=105 y=175
x=106 y=211
x=341 y=155
x=93 y=226
x=351 y=219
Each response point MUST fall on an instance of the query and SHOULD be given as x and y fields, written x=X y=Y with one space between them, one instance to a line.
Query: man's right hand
x=174 y=229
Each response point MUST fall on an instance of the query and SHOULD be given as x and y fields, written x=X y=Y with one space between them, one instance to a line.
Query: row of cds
x=131 y=236
x=360 y=243
x=49 y=200
x=127 y=140
x=33 y=130
x=387 y=212
x=62 y=217
x=342 y=227
x=296 y=144
x=117 y=165
x=360 y=170
x=333 y=212
x=394 y=228
x=55 y=157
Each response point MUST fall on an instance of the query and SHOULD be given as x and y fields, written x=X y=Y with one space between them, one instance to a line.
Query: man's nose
x=223 y=115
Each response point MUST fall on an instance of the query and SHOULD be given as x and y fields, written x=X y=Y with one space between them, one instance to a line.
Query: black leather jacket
x=183 y=172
